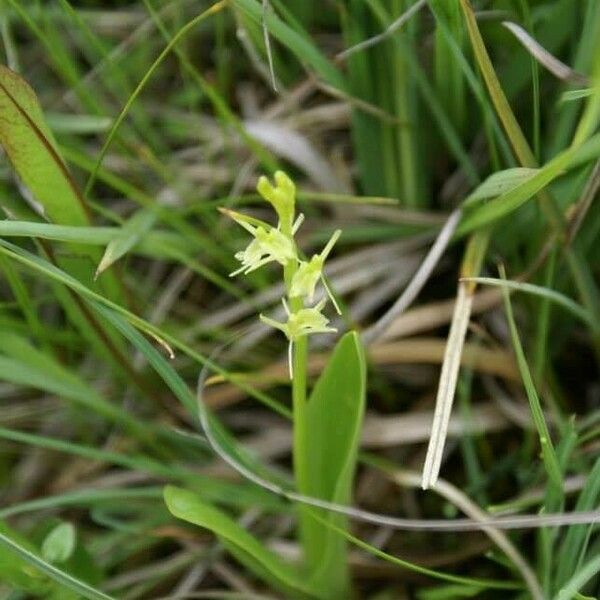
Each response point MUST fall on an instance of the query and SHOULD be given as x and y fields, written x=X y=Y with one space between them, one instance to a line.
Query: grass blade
x=548 y=453
x=537 y=290
x=131 y=233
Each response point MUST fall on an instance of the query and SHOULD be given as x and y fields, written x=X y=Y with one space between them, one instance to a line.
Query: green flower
x=268 y=245
x=309 y=272
x=305 y=321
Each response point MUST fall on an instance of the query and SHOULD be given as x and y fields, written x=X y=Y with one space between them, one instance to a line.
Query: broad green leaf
x=34 y=154
x=187 y=506
x=499 y=183
x=59 y=544
x=29 y=144
x=128 y=237
x=334 y=417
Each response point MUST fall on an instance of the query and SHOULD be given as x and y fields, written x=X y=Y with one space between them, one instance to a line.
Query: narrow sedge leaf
x=59 y=543
x=416 y=568
x=211 y=10
x=579 y=579
x=537 y=290
x=128 y=237
x=78 y=124
x=187 y=506
x=548 y=453
x=515 y=135
x=157 y=244
x=574 y=542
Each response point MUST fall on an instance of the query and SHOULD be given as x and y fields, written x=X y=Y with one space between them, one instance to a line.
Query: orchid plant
x=339 y=390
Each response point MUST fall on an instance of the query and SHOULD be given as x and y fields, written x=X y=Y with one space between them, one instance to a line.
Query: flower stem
x=299 y=400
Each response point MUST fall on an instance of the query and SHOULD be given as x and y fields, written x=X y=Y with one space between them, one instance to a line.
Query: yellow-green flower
x=305 y=321
x=268 y=245
x=309 y=272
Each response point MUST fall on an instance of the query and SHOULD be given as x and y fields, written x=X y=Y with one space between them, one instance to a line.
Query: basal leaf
x=334 y=418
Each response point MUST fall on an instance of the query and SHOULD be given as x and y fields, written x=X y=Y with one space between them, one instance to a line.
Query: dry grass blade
x=413 y=351
x=392 y=28
x=555 y=66
x=447 y=386
x=266 y=7
x=418 y=281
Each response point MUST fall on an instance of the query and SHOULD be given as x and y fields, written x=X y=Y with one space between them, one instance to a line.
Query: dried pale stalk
x=555 y=66
x=447 y=386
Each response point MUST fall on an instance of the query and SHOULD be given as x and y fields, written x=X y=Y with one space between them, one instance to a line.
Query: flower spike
x=277 y=244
